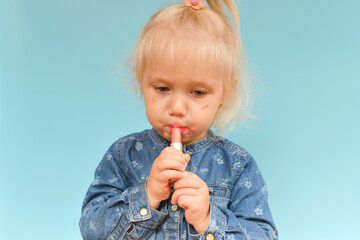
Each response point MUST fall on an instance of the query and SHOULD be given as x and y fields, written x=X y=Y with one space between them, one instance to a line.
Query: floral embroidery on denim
x=136 y=164
x=258 y=211
x=100 y=200
x=237 y=165
x=221 y=182
x=203 y=170
x=218 y=158
x=99 y=168
x=135 y=190
x=264 y=190
x=138 y=146
x=192 y=169
x=248 y=184
x=92 y=226
x=245 y=183
x=96 y=181
x=114 y=179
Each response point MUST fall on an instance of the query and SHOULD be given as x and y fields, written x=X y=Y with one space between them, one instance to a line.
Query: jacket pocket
x=219 y=195
x=218 y=191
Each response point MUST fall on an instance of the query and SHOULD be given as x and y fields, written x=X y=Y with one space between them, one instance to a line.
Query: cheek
x=153 y=106
x=205 y=107
x=151 y=112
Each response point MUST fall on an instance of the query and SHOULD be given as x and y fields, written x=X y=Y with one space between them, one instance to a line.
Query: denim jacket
x=116 y=205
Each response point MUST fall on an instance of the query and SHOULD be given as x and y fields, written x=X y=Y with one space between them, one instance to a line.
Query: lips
x=182 y=128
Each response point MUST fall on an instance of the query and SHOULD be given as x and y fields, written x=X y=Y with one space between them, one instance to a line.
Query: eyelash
x=162 y=89
x=197 y=93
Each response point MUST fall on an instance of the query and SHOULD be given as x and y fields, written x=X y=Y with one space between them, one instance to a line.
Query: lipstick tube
x=175 y=143
x=176 y=139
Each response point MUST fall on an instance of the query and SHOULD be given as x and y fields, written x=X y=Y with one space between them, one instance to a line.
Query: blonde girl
x=189 y=68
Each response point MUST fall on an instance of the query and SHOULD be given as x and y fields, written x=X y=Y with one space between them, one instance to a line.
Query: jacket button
x=174 y=208
x=210 y=237
x=143 y=212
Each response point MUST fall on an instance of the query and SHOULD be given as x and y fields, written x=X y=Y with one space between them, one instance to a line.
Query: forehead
x=188 y=71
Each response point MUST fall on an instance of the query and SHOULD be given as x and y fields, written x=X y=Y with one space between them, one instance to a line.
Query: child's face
x=186 y=96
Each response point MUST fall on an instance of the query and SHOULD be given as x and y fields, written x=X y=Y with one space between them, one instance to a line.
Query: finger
x=171 y=164
x=187 y=157
x=170 y=159
x=170 y=175
x=175 y=152
x=185 y=201
x=189 y=180
x=182 y=192
x=172 y=150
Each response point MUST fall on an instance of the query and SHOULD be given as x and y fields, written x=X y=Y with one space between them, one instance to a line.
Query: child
x=188 y=66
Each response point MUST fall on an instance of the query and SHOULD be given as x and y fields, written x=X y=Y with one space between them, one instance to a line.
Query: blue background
x=63 y=103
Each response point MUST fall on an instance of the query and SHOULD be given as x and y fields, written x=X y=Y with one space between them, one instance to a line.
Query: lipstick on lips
x=176 y=138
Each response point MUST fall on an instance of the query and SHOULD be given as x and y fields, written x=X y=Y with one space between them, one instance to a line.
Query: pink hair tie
x=195 y=4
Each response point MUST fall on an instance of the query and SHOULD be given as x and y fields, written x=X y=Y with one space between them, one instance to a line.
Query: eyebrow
x=157 y=79
x=200 y=82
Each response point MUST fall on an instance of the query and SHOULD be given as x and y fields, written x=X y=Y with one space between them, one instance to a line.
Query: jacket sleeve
x=248 y=215
x=112 y=210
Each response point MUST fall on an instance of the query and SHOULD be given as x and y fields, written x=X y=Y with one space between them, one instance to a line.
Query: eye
x=162 y=89
x=199 y=93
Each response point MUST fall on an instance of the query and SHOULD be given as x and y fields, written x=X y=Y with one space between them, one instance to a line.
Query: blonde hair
x=177 y=31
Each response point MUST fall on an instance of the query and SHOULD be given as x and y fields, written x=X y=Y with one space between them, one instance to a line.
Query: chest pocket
x=218 y=192
x=219 y=195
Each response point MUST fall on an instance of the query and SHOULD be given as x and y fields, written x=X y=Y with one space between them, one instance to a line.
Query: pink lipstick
x=183 y=129
x=176 y=138
x=175 y=143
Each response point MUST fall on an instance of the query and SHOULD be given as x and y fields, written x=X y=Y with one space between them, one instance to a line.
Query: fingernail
x=187 y=157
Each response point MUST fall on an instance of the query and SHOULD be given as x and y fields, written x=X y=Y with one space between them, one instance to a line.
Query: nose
x=177 y=106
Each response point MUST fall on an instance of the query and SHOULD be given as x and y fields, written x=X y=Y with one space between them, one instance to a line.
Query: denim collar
x=199 y=146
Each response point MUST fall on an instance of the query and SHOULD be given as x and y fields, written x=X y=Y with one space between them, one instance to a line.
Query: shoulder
x=138 y=136
x=239 y=157
x=131 y=140
x=228 y=145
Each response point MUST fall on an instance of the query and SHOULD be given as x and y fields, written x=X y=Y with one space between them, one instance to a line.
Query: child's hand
x=192 y=194
x=169 y=166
